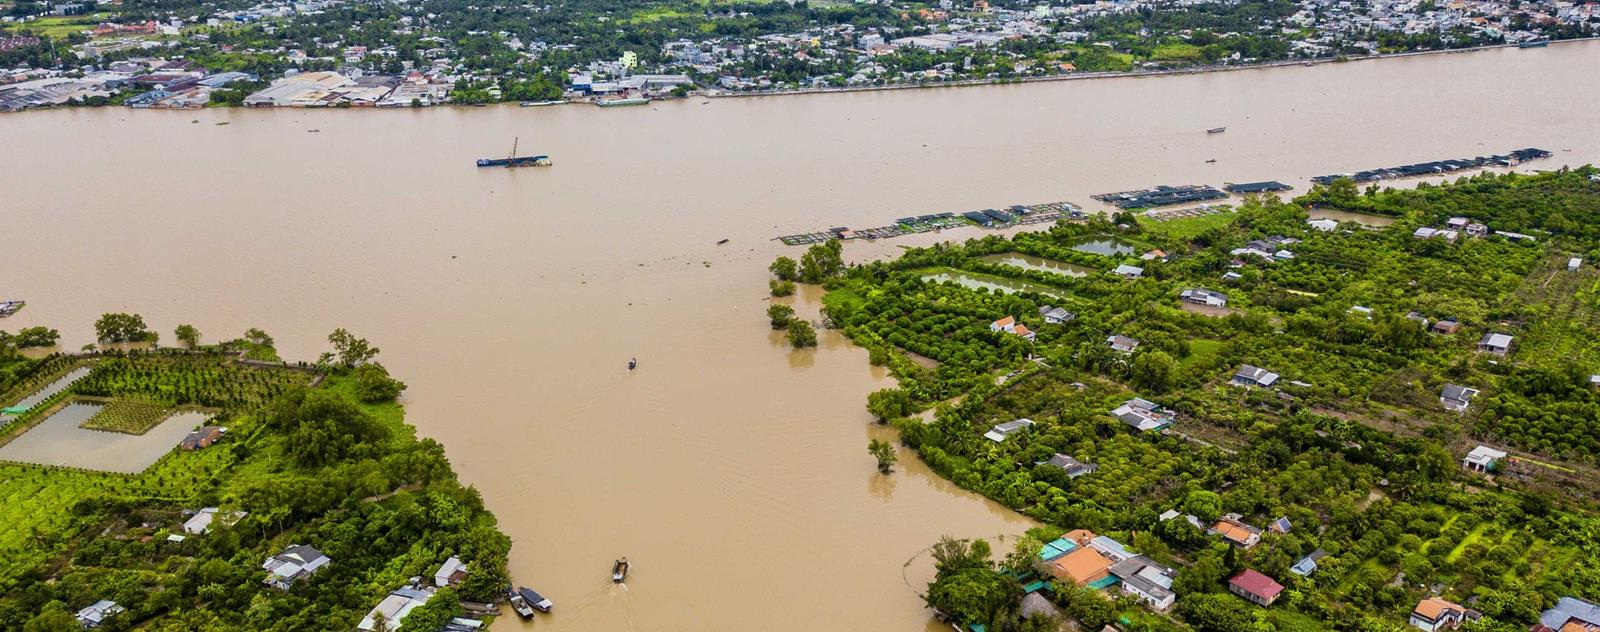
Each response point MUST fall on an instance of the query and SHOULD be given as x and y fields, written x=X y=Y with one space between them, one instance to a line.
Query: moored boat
x=520 y=605
x=1216 y=130
x=534 y=599
x=535 y=104
x=619 y=570
x=514 y=160
x=7 y=308
x=611 y=103
x=1538 y=43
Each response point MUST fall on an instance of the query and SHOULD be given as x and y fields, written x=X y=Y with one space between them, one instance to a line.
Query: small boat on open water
x=1216 y=130
x=619 y=570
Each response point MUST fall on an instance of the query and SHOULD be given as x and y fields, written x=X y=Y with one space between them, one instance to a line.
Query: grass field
x=1176 y=52
x=129 y=416
x=57 y=27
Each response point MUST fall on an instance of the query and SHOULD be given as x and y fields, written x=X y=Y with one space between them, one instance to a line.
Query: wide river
x=731 y=470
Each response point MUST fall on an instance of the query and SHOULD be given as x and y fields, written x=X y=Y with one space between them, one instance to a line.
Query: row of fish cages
x=1163 y=195
x=1016 y=215
x=1438 y=167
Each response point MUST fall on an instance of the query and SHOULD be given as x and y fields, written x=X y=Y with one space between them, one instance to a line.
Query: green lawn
x=58 y=27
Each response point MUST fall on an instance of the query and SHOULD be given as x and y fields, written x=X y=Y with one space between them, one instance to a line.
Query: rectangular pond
x=1038 y=264
x=989 y=282
x=49 y=390
x=1108 y=246
x=59 y=441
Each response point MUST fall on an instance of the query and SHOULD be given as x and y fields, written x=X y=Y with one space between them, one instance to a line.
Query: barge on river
x=7 y=308
x=513 y=160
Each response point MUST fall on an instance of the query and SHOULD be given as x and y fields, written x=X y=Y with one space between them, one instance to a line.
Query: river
x=731 y=470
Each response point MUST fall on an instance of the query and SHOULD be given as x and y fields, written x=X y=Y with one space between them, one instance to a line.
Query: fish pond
x=61 y=441
x=1105 y=245
x=976 y=280
x=1037 y=264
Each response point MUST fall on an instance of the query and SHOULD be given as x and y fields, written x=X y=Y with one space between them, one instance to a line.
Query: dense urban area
x=332 y=53
x=215 y=487
x=1359 y=410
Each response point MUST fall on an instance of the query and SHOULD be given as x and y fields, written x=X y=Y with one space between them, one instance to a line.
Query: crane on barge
x=513 y=160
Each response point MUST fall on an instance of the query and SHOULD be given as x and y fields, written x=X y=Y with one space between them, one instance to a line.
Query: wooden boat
x=721 y=241
x=1216 y=130
x=1210 y=160
x=534 y=600
x=520 y=605
x=619 y=570
x=633 y=363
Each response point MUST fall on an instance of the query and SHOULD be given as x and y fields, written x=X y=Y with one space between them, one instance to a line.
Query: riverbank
x=218 y=463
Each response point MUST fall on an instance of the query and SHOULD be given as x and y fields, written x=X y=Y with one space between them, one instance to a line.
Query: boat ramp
x=1438 y=167
x=1017 y=215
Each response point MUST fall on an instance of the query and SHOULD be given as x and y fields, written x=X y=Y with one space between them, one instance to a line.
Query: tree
x=431 y=616
x=259 y=338
x=780 y=287
x=188 y=335
x=822 y=261
x=1152 y=370
x=349 y=350
x=36 y=337
x=1205 y=505
x=322 y=426
x=780 y=315
x=120 y=327
x=53 y=618
x=784 y=268
x=889 y=403
x=373 y=384
x=885 y=454
x=801 y=334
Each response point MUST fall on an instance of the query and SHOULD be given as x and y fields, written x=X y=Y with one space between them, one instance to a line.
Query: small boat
x=1538 y=43
x=520 y=605
x=537 y=104
x=1216 y=130
x=705 y=103
x=721 y=241
x=633 y=363
x=619 y=570
x=7 y=308
x=313 y=131
x=1211 y=160
x=534 y=600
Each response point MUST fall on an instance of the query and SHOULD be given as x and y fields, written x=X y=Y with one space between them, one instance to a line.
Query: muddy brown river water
x=730 y=470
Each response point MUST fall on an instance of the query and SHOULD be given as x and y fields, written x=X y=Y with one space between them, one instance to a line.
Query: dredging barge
x=513 y=160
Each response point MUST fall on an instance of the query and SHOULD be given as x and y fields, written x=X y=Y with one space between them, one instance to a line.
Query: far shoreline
x=960 y=83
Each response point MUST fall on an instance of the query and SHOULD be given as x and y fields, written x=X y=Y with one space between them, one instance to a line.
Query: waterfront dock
x=1439 y=167
x=1016 y=215
x=1162 y=196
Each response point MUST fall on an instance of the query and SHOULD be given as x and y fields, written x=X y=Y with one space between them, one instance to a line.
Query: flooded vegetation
x=1037 y=264
x=1374 y=221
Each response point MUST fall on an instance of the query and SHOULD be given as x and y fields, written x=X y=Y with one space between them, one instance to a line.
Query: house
x=1154 y=255
x=200 y=523
x=1456 y=397
x=1150 y=582
x=1001 y=431
x=1362 y=310
x=1143 y=415
x=293 y=564
x=1011 y=326
x=1259 y=589
x=1056 y=315
x=450 y=573
x=1446 y=327
x=203 y=437
x=394 y=608
x=1128 y=272
x=1254 y=376
x=1073 y=467
x=1280 y=525
x=1112 y=549
x=1233 y=529
x=1433 y=614
x=1083 y=567
x=1307 y=565
x=1482 y=459
x=1189 y=518
x=1057 y=548
x=1122 y=344
x=1201 y=296
x=1571 y=611
x=97 y=613
x=1457 y=223
x=1498 y=344
x=1036 y=604
x=1574 y=263
x=1324 y=224
x=1231 y=276
x=1417 y=317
